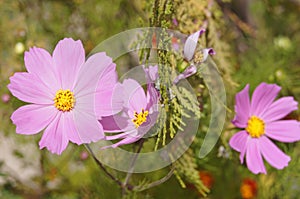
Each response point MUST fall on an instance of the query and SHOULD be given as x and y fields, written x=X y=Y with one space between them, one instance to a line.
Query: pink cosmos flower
x=140 y=110
x=261 y=122
x=61 y=89
x=190 y=54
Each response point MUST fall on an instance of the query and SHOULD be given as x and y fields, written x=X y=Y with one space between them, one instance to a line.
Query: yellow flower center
x=64 y=100
x=140 y=118
x=198 y=57
x=255 y=127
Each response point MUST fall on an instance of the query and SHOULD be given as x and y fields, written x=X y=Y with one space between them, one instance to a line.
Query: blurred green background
x=256 y=41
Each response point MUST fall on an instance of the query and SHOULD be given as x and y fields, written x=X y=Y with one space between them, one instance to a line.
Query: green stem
x=101 y=166
x=129 y=173
x=155 y=183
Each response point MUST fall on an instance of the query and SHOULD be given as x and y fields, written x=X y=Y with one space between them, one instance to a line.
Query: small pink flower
x=5 y=98
x=261 y=122
x=61 y=89
x=191 y=45
x=84 y=155
x=140 y=110
x=175 y=22
x=190 y=54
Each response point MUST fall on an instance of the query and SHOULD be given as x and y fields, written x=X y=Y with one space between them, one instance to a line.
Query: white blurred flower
x=222 y=152
x=283 y=42
x=19 y=48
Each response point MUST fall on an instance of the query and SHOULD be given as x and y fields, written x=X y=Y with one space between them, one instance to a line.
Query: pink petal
x=88 y=127
x=263 y=97
x=284 y=130
x=206 y=52
x=152 y=96
x=178 y=78
x=55 y=137
x=253 y=157
x=134 y=96
x=68 y=56
x=85 y=104
x=40 y=63
x=132 y=133
x=243 y=151
x=272 y=154
x=191 y=44
x=242 y=108
x=90 y=74
x=238 y=140
x=127 y=140
x=32 y=119
x=109 y=102
x=70 y=128
x=109 y=93
x=190 y=70
x=116 y=123
x=280 y=109
x=151 y=73
x=28 y=88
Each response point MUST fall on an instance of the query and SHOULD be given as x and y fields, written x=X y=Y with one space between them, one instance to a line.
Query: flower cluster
x=81 y=101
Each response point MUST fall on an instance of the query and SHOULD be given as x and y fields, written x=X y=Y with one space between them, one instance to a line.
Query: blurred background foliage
x=256 y=41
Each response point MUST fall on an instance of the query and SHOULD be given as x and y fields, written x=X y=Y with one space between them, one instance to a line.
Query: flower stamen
x=140 y=118
x=199 y=57
x=64 y=100
x=255 y=127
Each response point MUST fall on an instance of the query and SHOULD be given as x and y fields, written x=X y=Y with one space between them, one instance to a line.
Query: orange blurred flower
x=206 y=178
x=248 y=189
x=51 y=174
